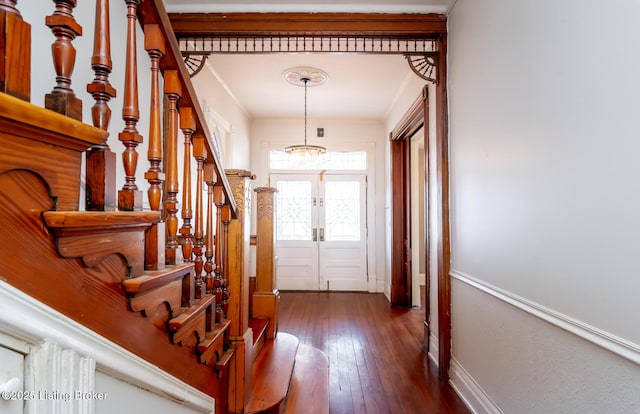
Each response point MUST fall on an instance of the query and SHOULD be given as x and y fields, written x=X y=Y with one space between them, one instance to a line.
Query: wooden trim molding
x=318 y=24
x=598 y=337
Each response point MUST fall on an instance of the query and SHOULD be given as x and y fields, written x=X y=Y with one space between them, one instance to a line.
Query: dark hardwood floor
x=376 y=364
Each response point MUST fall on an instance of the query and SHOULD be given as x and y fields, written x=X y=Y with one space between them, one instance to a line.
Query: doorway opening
x=321 y=231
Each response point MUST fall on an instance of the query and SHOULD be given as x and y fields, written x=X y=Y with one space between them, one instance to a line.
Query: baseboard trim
x=434 y=349
x=33 y=322
x=470 y=392
x=603 y=339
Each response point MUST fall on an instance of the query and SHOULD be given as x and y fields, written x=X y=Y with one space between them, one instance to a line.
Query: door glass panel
x=342 y=211
x=293 y=212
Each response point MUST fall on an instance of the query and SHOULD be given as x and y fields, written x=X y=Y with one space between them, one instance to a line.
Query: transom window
x=331 y=160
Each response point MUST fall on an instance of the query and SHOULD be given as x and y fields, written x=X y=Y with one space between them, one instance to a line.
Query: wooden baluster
x=156 y=235
x=188 y=126
x=130 y=198
x=154 y=45
x=173 y=91
x=219 y=200
x=101 y=161
x=210 y=178
x=226 y=218
x=200 y=154
x=62 y=99
x=15 y=58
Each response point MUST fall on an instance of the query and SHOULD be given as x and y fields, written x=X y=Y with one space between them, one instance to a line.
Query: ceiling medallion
x=313 y=76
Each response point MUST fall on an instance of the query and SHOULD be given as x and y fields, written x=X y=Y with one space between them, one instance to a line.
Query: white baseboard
x=606 y=340
x=470 y=392
x=35 y=323
x=434 y=348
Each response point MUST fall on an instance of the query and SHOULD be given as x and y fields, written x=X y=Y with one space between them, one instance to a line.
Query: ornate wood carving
x=93 y=236
x=265 y=240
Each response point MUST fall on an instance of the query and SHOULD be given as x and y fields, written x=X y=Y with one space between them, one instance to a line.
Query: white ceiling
x=359 y=86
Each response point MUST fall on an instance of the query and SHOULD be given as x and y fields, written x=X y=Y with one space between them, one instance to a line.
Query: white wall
x=217 y=102
x=544 y=202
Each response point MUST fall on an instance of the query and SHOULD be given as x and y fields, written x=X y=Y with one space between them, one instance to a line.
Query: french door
x=321 y=231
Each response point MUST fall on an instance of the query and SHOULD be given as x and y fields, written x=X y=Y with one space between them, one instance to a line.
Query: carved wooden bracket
x=93 y=236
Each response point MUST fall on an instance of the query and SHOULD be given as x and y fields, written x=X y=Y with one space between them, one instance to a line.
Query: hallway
x=375 y=357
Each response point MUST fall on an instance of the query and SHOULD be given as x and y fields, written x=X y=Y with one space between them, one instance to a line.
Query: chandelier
x=305 y=151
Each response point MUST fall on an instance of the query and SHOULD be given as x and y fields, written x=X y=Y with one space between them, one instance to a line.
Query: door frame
x=319 y=179
x=415 y=118
x=427 y=26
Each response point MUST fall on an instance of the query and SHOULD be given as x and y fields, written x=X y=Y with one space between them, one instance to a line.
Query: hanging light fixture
x=305 y=151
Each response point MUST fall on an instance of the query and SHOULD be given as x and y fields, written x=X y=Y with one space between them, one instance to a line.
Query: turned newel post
x=173 y=92
x=101 y=161
x=265 y=240
x=238 y=281
x=188 y=127
x=15 y=52
x=62 y=99
x=210 y=177
x=130 y=198
x=156 y=235
x=266 y=297
x=200 y=154
x=239 y=235
x=219 y=200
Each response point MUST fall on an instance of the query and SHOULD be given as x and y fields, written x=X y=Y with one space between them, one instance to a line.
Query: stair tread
x=309 y=389
x=155 y=278
x=272 y=371
x=198 y=307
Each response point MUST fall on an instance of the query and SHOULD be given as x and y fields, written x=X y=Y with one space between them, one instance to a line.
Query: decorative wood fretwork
x=15 y=59
x=130 y=198
x=101 y=161
x=173 y=92
x=419 y=52
x=188 y=127
x=62 y=99
x=411 y=35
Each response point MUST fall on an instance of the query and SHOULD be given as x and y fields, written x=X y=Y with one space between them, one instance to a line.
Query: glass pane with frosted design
x=342 y=211
x=293 y=212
